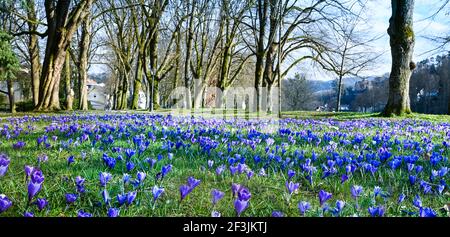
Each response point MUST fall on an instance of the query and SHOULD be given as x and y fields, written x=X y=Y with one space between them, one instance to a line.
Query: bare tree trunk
x=60 y=31
x=68 y=87
x=12 y=103
x=190 y=37
x=137 y=83
x=339 y=93
x=84 y=55
x=33 y=48
x=260 y=50
x=402 y=46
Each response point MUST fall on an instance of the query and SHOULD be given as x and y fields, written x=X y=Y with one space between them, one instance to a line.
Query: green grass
x=268 y=193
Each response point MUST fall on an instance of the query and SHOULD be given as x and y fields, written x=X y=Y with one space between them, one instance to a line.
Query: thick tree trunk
x=49 y=85
x=33 y=50
x=260 y=50
x=137 y=83
x=225 y=68
x=154 y=67
x=402 y=46
x=123 y=92
x=12 y=103
x=269 y=76
x=68 y=86
x=84 y=56
x=60 y=31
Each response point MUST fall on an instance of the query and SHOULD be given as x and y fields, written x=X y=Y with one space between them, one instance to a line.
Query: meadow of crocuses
x=109 y=165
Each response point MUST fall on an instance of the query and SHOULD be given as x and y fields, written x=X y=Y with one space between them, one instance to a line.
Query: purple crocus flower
x=412 y=179
x=356 y=191
x=216 y=196
x=151 y=162
x=19 y=145
x=42 y=158
x=192 y=182
x=344 y=178
x=81 y=213
x=104 y=178
x=376 y=211
x=109 y=161
x=71 y=198
x=41 y=203
x=417 y=202
x=324 y=196
x=240 y=206
x=377 y=191
x=184 y=191
x=141 y=176
x=210 y=163
x=277 y=214
x=291 y=174
x=215 y=214
x=339 y=206
x=441 y=188
x=130 y=166
x=121 y=199
x=250 y=174
x=126 y=178
x=105 y=196
x=235 y=188
x=35 y=183
x=270 y=141
x=79 y=181
x=28 y=170
x=262 y=172
x=303 y=207
x=113 y=212
x=244 y=194
x=70 y=160
x=292 y=187
x=427 y=212
x=157 y=192
x=220 y=169
x=5 y=203
x=130 y=197
x=28 y=214
x=241 y=203
x=4 y=164
x=233 y=169
x=165 y=170
x=129 y=153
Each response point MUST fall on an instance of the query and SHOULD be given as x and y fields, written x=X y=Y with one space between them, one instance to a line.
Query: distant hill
x=316 y=85
x=99 y=77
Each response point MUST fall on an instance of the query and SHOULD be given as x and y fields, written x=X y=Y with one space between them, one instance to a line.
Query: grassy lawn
x=330 y=141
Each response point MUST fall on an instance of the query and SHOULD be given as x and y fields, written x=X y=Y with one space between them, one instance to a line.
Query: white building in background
x=100 y=100
x=97 y=95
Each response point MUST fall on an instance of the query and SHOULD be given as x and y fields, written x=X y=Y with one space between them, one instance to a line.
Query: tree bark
x=12 y=103
x=84 y=56
x=339 y=93
x=402 y=46
x=137 y=83
x=61 y=27
x=68 y=86
x=33 y=50
x=260 y=50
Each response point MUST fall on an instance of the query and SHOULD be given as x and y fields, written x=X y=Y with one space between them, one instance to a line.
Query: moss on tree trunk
x=402 y=47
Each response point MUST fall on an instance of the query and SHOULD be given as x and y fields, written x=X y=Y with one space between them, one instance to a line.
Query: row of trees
x=158 y=45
